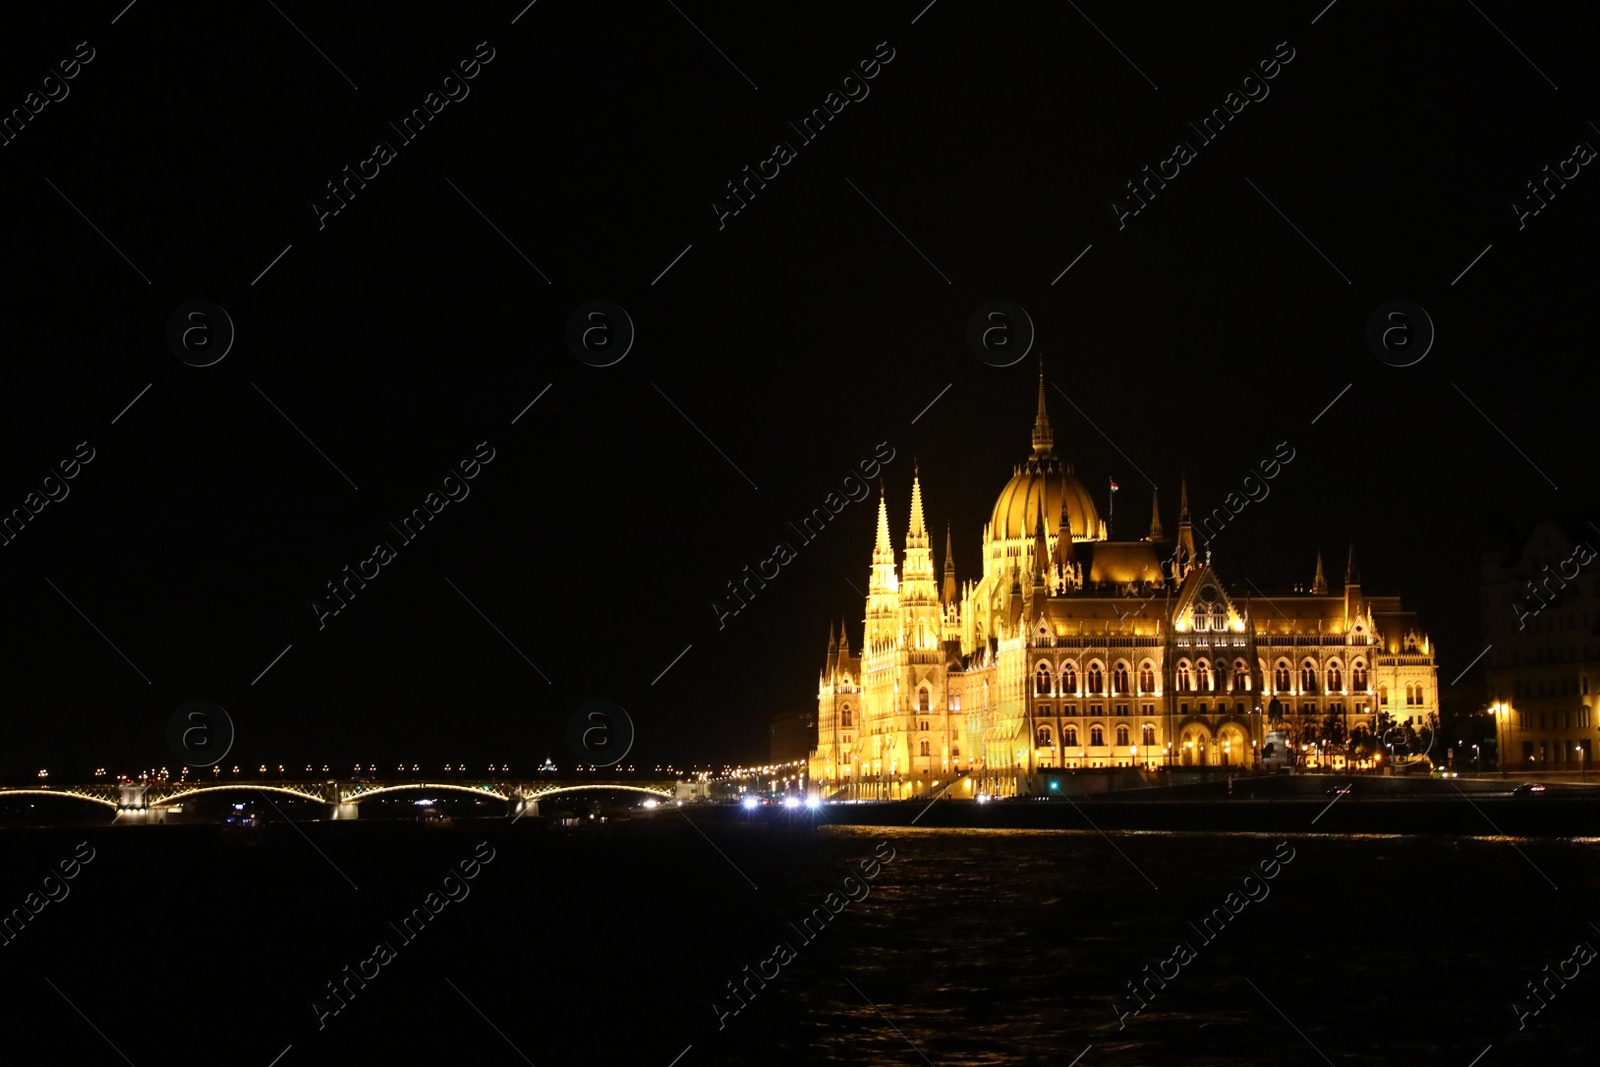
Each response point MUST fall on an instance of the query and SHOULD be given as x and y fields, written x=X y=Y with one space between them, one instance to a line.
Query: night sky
x=579 y=163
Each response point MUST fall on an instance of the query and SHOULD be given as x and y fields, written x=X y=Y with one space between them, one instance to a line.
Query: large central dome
x=1047 y=477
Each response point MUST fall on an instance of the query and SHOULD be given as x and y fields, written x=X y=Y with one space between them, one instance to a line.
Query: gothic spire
x=881 y=547
x=1155 y=514
x=1319 y=584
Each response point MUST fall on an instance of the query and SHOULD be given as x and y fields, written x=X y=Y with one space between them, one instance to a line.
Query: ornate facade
x=1073 y=651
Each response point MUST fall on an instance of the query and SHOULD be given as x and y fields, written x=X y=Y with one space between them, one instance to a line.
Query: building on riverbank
x=1541 y=621
x=1074 y=651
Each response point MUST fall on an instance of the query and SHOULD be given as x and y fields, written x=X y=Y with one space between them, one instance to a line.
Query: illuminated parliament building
x=1073 y=651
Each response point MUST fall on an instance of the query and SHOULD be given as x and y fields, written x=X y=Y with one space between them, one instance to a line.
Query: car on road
x=1529 y=789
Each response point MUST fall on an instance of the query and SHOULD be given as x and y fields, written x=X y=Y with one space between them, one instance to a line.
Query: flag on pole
x=1113 y=485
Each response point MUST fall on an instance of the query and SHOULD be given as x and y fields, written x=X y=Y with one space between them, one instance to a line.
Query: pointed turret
x=1064 y=534
x=1041 y=551
x=949 y=592
x=833 y=645
x=917 y=583
x=1155 y=515
x=1184 y=553
x=844 y=642
x=1350 y=575
x=1043 y=439
x=1319 y=584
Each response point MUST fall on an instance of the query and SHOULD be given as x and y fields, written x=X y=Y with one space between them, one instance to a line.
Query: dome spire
x=1043 y=439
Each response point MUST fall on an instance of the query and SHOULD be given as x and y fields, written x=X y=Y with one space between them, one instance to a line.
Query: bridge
x=136 y=801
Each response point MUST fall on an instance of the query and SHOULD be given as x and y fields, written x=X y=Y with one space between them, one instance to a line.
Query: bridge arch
x=298 y=794
x=57 y=793
x=541 y=794
x=478 y=790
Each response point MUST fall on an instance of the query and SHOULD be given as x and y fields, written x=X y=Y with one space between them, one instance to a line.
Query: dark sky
x=414 y=325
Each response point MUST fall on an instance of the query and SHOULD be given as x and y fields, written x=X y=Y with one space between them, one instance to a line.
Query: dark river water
x=205 y=945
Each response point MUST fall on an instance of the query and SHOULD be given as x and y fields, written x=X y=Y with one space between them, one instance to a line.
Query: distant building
x=1074 y=651
x=1541 y=621
x=793 y=734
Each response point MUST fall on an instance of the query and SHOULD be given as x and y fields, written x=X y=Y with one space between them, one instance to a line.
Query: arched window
x=924 y=699
x=844 y=716
x=1383 y=696
x=1308 y=677
x=1219 y=618
x=1241 y=676
x=1097 y=679
x=1358 y=677
x=1147 y=735
x=1041 y=680
x=1202 y=671
x=1218 y=677
x=1122 y=735
x=1069 y=679
x=1185 y=680
x=1280 y=677
x=1119 y=678
x=1147 y=677
x=955 y=751
x=1097 y=736
x=923 y=749
x=923 y=725
x=922 y=633
x=1069 y=736
x=1413 y=694
x=1044 y=740
x=1335 y=678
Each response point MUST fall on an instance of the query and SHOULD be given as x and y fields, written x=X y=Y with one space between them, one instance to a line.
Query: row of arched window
x=1045 y=737
x=1094 y=679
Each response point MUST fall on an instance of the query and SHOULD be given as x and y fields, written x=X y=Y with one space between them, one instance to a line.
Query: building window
x=1358 y=677
x=845 y=719
x=955 y=701
x=1218 y=678
x=923 y=725
x=1147 y=678
x=1147 y=734
x=1280 y=677
x=1185 y=681
x=1119 y=678
x=1383 y=696
x=1044 y=740
x=1335 y=678
x=1122 y=709
x=1241 y=677
x=1097 y=736
x=1069 y=679
x=1097 y=679
x=1041 y=680
x=923 y=749
x=924 y=700
x=955 y=751
x=1097 y=709
x=1122 y=735
x=1202 y=671
x=1069 y=736
x=1308 y=677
